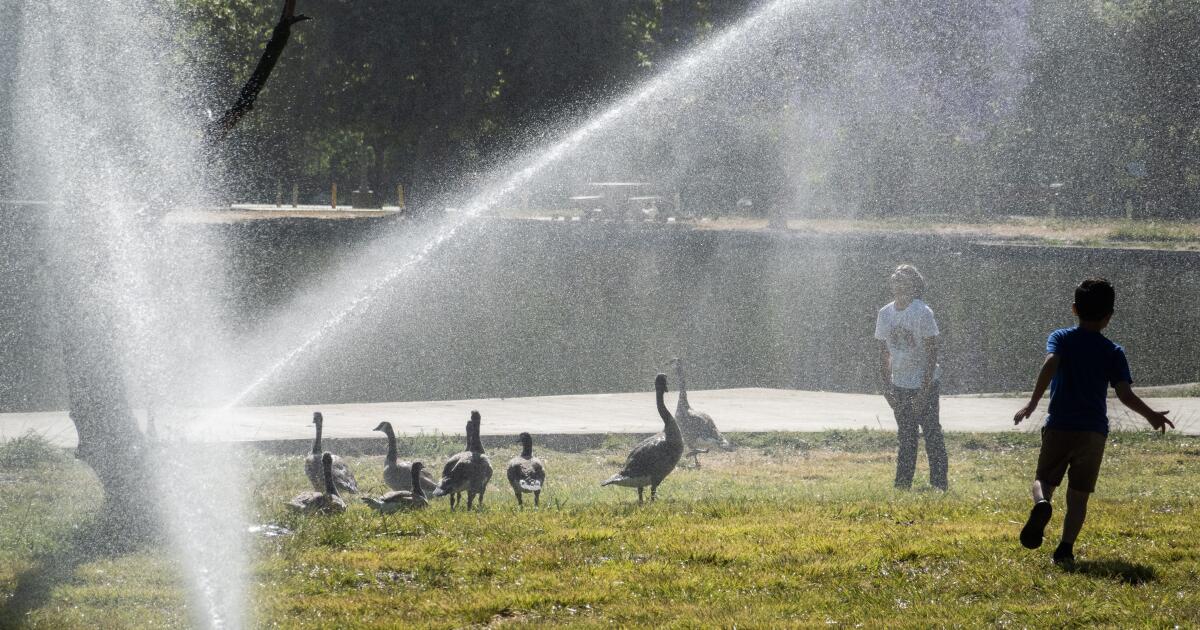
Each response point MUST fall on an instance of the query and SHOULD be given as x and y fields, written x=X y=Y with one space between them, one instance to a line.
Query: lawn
x=791 y=530
x=1085 y=231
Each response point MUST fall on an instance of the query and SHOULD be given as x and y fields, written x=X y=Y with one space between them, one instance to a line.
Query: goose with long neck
x=700 y=433
x=342 y=477
x=481 y=469
x=655 y=457
x=397 y=474
x=327 y=502
x=463 y=471
x=526 y=473
x=402 y=499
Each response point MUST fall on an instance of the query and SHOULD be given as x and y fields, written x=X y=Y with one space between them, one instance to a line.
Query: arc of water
x=680 y=72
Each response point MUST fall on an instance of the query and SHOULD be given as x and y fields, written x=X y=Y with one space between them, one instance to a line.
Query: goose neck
x=682 y=384
x=417 y=490
x=391 y=439
x=327 y=469
x=670 y=428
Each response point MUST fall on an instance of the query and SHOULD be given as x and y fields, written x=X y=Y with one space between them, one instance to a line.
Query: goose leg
x=653 y=492
x=640 y=495
x=537 y=494
x=520 y=501
x=470 y=499
x=481 y=496
x=696 y=458
x=452 y=501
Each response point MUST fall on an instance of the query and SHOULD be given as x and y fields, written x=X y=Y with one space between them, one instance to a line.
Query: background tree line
x=877 y=108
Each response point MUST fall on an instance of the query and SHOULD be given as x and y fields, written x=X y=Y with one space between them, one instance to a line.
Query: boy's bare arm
x=931 y=359
x=885 y=374
x=1157 y=419
x=885 y=365
x=1049 y=367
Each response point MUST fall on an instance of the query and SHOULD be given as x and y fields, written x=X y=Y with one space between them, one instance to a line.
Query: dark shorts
x=1075 y=453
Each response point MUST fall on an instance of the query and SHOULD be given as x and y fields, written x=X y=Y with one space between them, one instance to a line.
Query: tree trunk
x=110 y=440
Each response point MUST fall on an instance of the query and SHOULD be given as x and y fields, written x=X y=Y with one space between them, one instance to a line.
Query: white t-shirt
x=905 y=332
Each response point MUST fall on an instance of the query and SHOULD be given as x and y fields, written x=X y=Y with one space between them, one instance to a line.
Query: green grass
x=794 y=530
x=30 y=450
x=1156 y=232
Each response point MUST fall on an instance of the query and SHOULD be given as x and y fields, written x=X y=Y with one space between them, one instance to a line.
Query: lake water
x=525 y=308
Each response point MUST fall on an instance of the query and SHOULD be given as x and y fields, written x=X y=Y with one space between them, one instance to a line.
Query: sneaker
x=1063 y=556
x=1035 y=527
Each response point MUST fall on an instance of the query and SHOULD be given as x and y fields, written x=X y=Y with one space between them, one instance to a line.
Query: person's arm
x=1157 y=419
x=1049 y=367
x=885 y=365
x=931 y=358
x=885 y=373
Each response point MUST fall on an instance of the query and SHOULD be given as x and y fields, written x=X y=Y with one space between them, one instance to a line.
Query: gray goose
x=470 y=470
x=402 y=499
x=451 y=487
x=327 y=502
x=342 y=477
x=526 y=472
x=651 y=461
x=397 y=474
x=700 y=433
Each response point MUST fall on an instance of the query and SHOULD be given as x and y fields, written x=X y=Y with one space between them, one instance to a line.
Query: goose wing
x=527 y=474
x=655 y=456
x=481 y=471
x=533 y=475
x=398 y=477
x=304 y=501
x=514 y=470
x=394 y=501
x=342 y=477
x=456 y=474
x=317 y=502
x=312 y=470
x=699 y=430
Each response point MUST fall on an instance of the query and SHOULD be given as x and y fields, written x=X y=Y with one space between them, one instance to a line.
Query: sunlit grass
x=1043 y=230
x=791 y=530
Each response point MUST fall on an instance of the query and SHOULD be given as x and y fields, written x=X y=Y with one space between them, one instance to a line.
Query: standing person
x=1080 y=365
x=908 y=369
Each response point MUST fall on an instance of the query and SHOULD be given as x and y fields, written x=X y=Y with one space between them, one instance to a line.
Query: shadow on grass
x=109 y=535
x=1120 y=570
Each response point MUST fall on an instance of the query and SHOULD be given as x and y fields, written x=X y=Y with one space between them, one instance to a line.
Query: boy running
x=1080 y=365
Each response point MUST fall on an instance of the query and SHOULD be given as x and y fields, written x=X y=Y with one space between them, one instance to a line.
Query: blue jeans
x=913 y=415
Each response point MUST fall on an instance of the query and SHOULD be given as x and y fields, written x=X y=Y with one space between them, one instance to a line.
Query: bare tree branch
x=258 y=78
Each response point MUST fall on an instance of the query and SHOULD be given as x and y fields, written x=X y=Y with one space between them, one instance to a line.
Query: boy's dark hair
x=1094 y=299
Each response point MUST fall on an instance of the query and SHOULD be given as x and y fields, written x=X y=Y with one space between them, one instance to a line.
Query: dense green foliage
x=880 y=107
x=793 y=530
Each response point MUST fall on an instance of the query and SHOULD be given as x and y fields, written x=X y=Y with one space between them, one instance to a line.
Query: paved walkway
x=735 y=410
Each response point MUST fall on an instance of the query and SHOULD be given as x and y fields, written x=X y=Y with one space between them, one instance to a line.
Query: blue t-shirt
x=1088 y=363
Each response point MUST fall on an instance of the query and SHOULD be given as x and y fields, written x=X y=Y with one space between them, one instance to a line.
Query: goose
x=651 y=461
x=467 y=471
x=327 y=502
x=447 y=486
x=402 y=499
x=700 y=433
x=397 y=474
x=525 y=472
x=342 y=477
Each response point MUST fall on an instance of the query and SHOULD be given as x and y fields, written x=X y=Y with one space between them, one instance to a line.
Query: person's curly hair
x=910 y=276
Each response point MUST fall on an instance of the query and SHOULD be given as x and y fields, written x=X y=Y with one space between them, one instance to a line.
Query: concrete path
x=735 y=410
